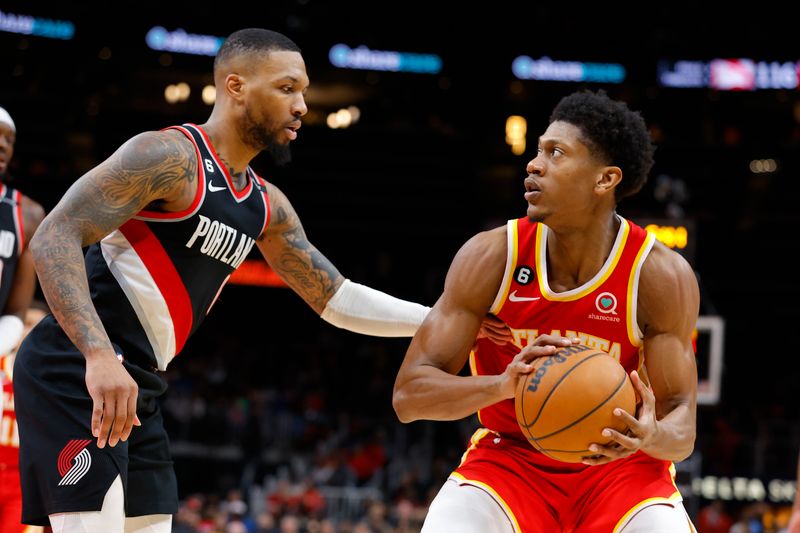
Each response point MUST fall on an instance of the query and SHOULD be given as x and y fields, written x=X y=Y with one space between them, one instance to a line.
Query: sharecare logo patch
x=74 y=461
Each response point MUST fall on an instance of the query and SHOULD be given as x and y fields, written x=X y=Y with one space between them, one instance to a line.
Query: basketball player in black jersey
x=167 y=218
x=19 y=218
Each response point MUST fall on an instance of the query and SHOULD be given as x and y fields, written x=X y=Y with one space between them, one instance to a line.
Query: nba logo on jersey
x=74 y=461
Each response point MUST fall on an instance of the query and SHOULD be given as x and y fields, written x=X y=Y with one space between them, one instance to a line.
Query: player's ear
x=234 y=86
x=608 y=178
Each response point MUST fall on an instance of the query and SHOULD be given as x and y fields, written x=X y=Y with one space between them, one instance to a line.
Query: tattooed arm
x=155 y=169
x=286 y=248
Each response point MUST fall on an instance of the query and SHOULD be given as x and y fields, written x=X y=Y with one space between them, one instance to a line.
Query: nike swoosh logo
x=214 y=188
x=514 y=298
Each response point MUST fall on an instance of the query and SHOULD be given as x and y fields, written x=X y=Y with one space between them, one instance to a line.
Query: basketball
x=569 y=398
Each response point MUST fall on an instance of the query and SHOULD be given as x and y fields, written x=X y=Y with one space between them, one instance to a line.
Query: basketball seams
x=588 y=410
x=596 y=407
x=553 y=388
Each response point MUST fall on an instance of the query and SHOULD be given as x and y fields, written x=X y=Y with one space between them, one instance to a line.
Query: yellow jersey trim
x=634 y=332
x=511 y=263
x=493 y=493
x=674 y=498
x=592 y=284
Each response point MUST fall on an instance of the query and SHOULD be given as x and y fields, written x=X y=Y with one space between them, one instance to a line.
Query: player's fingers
x=555 y=340
x=498 y=338
x=97 y=418
x=109 y=406
x=521 y=368
x=626 y=442
x=595 y=460
x=532 y=352
x=645 y=392
x=130 y=419
x=631 y=421
x=120 y=416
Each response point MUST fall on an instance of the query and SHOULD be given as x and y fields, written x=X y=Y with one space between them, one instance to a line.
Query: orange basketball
x=569 y=398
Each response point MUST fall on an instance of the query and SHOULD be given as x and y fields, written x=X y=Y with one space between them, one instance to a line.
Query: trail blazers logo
x=74 y=461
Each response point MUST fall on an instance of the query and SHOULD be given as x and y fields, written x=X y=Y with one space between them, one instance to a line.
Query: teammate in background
x=167 y=219
x=10 y=492
x=572 y=268
x=19 y=218
x=794 y=521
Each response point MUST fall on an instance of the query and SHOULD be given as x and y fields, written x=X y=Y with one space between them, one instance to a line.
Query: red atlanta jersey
x=12 y=239
x=9 y=436
x=601 y=312
x=154 y=279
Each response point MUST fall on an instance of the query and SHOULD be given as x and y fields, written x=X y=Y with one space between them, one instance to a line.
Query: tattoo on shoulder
x=148 y=169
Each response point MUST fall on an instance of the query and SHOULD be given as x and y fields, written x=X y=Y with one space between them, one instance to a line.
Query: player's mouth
x=532 y=190
x=291 y=130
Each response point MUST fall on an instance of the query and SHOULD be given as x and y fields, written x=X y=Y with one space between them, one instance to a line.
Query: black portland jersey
x=155 y=278
x=12 y=239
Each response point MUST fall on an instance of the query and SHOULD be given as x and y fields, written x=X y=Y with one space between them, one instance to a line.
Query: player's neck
x=577 y=253
x=230 y=148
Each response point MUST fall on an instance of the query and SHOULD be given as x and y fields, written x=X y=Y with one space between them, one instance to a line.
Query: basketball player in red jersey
x=19 y=218
x=166 y=220
x=572 y=269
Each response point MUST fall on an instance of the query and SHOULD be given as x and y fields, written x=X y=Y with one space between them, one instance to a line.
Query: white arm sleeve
x=11 y=328
x=360 y=309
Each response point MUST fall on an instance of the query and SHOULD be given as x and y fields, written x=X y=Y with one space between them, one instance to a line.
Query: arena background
x=276 y=415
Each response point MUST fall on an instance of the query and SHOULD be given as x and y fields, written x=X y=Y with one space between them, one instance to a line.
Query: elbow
x=36 y=247
x=401 y=406
x=689 y=450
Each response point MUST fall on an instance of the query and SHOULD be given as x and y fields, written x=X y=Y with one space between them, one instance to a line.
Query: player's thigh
x=465 y=509
x=660 y=518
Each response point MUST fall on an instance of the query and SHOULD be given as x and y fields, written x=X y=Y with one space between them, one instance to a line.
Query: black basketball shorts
x=61 y=467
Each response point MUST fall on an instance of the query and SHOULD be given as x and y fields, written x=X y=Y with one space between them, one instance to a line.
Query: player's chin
x=535 y=213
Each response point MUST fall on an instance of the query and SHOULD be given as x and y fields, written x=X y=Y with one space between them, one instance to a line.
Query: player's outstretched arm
x=158 y=168
x=427 y=384
x=665 y=425
x=315 y=279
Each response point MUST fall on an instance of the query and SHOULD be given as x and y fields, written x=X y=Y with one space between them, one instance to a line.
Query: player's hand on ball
x=642 y=430
x=522 y=363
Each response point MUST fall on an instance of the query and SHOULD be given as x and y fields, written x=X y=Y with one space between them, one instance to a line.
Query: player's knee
x=660 y=518
x=153 y=523
x=465 y=509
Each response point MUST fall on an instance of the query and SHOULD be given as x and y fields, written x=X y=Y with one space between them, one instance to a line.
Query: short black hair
x=253 y=40
x=613 y=133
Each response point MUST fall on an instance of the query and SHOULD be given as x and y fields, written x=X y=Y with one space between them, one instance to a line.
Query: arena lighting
x=763 y=166
x=744 y=489
x=729 y=74
x=516 y=129
x=209 y=94
x=526 y=68
x=27 y=25
x=343 y=118
x=158 y=38
x=362 y=58
x=256 y=272
x=677 y=234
